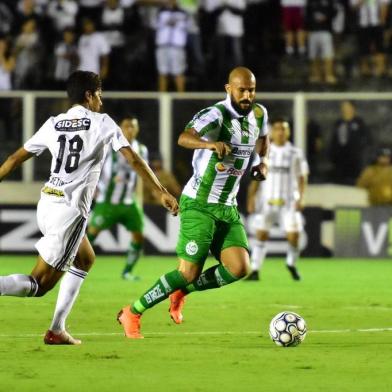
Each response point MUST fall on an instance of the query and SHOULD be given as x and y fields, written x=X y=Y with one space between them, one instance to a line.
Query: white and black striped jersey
x=286 y=164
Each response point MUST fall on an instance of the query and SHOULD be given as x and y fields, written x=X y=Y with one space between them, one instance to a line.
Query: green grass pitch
x=223 y=345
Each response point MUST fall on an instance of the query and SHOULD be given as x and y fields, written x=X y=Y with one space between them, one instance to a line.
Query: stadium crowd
x=137 y=44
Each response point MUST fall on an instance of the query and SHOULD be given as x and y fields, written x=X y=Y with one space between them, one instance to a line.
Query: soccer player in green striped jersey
x=224 y=137
x=116 y=198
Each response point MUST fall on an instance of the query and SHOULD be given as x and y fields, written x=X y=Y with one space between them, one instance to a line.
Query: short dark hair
x=79 y=82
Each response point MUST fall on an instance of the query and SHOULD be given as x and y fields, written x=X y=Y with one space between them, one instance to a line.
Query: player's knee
x=239 y=270
x=190 y=275
x=85 y=262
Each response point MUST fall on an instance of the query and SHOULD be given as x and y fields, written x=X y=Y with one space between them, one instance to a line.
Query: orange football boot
x=62 y=337
x=130 y=322
x=177 y=301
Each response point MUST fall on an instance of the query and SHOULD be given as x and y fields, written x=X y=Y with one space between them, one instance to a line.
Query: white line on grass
x=200 y=333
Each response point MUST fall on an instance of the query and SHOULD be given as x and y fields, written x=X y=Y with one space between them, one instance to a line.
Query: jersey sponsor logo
x=242 y=152
x=191 y=248
x=221 y=168
x=75 y=125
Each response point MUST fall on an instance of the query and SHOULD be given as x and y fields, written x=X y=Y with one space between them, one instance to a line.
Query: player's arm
x=302 y=183
x=147 y=175
x=191 y=139
x=260 y=170
x=14 y=161
x=251 y=197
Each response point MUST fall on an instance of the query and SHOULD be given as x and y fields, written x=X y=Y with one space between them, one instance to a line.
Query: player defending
x=78 y=141
x=280 y=198
x=223 y=137
x=116 y=197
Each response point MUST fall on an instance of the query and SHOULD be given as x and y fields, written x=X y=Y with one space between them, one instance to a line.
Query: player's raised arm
x=14 y=161
x=191 y=139
x=144 y=171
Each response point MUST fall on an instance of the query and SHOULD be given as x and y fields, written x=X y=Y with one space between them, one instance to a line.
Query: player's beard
x=237 y=107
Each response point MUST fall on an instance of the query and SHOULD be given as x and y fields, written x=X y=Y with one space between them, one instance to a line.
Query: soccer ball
x=287 y=329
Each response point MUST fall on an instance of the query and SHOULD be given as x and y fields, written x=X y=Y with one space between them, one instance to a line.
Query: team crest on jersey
x=220 y=167
x=191 y=248
x=258 y=112
x=74 y=125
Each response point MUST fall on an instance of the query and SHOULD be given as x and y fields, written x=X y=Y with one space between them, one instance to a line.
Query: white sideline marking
x=197 y=333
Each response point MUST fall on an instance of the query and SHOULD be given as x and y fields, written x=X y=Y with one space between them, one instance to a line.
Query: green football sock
x=165 y=285
x=132 y=256
x=212 y=278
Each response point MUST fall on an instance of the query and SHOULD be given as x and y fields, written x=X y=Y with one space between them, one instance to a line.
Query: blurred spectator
x=377 y=179
x=93 y=50
x=196 y=58
x=293 y=25
x=230 y=30
x=63 y=14
x=6 y=18
x=314 y=146
x=113 y=27
x=29 y=56
x=349 y=138
x=165 y=177
x=7 y=64
x=318 y=22
x=208 y=16
x=66 y=61
x=89 y=9
x=171 y=36
x=372 y=16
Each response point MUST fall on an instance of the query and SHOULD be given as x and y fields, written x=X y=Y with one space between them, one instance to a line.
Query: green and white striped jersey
x=217 y=180
x=117 y=183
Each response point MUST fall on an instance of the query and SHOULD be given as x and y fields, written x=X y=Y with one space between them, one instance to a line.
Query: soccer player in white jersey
x=224 y=137
x=78 y=141
x=117 y=196
x=279 y=200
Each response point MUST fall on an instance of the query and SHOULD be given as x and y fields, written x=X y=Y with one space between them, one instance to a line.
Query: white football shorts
x=287 y=219
x=63 y=228
x=171 y=60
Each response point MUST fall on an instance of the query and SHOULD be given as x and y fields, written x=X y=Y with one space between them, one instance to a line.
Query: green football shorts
x=105 y=215
x=208 y=227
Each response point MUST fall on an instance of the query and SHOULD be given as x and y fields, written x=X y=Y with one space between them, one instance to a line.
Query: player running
x=116 y=197
x=279 y=200
x=78 y=141
x=224 y=137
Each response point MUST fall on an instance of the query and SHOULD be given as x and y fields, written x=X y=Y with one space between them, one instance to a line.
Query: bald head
x=241 y=75
x=242 y=89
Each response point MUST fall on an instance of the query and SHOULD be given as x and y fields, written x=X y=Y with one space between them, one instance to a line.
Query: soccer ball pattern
x=287 y=329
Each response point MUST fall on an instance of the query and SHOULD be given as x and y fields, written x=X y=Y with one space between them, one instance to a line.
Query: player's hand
x=259 y=172
x=169 y=202
x=222 y=149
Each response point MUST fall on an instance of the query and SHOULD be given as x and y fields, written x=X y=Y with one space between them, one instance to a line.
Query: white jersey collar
x=229 y=106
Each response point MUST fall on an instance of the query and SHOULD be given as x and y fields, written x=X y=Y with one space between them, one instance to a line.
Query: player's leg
x=263 y=223
x=293 y=226
x=68 y=292
x=42 y=279
x=196 y=234
x=132 y=219
x=258 y=254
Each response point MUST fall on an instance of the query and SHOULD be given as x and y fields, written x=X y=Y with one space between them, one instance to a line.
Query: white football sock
x=259 y=252
x=69 y=290
x=292 y=255
x=18 y=285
